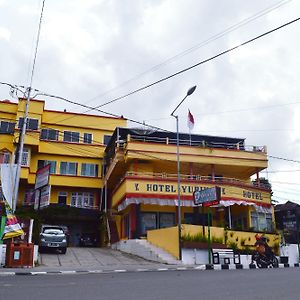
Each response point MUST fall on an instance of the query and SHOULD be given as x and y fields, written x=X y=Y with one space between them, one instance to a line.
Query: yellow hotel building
x=98 y=164
x=141 y=175
x=73 y=144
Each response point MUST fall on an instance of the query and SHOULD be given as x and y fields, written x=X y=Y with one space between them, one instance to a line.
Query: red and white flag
x=191 y=121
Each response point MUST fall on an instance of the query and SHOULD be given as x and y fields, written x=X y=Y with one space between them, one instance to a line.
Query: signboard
x=208 y=197
x=42 y=177
x=42 y=197
x=29 y=198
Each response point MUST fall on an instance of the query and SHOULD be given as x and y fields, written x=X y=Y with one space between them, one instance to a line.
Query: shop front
x=145 y=204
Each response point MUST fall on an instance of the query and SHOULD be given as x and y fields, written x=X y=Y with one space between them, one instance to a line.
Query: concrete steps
x=144 y=249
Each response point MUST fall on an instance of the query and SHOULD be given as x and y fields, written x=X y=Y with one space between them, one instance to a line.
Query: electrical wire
x=287 y=183
x=199 y=63
x=200 y=45
x=285 y=159
x=169 y=76
x=37 y=44
x=280 y=171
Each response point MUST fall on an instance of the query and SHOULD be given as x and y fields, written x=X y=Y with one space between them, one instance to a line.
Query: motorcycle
x=263 y=255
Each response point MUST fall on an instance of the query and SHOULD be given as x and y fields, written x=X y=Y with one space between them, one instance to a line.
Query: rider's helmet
x=257 y=236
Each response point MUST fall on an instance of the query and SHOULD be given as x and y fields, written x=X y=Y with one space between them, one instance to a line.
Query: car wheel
x=63 y=250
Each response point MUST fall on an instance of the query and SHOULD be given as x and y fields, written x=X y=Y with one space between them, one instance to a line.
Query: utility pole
x=20 y=152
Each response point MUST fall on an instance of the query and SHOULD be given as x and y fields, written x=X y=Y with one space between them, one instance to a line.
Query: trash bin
x=19 y=255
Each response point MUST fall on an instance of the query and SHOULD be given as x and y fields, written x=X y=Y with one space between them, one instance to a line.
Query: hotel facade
x=98 y=166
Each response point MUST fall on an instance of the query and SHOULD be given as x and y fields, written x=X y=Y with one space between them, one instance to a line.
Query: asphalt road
x=275 y=284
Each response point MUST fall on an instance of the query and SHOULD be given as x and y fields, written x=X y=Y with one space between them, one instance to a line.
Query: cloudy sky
x=94 y=51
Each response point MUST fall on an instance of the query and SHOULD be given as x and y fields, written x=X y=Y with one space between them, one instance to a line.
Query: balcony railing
x=203 y=143
x=199 y=178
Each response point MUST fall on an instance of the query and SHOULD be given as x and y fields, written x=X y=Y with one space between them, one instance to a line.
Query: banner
x=12 y=227
x=8 y=175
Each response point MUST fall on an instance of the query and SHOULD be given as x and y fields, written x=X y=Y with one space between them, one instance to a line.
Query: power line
x=166 y=78
x=199 y=63
x=37 y=44
x=287 y=183
x=280 y=171
x=200 y=45
x=285 y=159
x=174 y=74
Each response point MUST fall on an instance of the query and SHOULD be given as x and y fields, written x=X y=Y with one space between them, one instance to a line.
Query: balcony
x=198 y=143
x=200 y=179
x=161 y=189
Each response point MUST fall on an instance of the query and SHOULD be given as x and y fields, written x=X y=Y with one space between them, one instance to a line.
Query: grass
x=200 y=238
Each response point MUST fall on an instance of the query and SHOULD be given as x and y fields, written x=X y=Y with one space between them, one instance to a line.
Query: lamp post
x=189 y=92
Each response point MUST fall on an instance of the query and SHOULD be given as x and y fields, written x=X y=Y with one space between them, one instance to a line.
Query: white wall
x=290 y=250
x=194 y=256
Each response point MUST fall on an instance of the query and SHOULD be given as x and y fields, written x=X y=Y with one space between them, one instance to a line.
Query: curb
x=196 y=268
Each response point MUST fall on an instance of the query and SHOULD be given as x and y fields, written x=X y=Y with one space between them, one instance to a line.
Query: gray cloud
x=88 y=48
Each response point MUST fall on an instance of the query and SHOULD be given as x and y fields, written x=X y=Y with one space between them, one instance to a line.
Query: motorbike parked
x=263 y=255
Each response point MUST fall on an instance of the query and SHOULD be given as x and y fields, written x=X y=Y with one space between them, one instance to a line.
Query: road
x=276 y=284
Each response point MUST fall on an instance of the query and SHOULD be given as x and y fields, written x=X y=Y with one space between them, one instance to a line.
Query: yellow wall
x=59 y=151
x=197 y=154
x=217 y=232
x=166 y=238
x=169 y=187
x=247 y=239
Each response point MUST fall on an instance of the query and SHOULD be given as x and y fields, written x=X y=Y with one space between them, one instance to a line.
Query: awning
x=258 y=208
x=154 y=201
x=264 y=208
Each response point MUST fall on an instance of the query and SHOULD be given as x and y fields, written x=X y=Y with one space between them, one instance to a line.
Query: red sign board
x=42 y=177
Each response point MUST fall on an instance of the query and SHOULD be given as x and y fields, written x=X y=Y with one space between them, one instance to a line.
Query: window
x=148 y=222
x=7 y=127
x=71 y=136
x=83 y=200
x=4 y=158
x=49 y=134
x=68 y=168
x=261 y=221
x=25 y=157
x=166 y=220
x=87 y=138
x=32 y=124
x=89 y=170
x=43 y=163
x=62 y=198
x=106 y=139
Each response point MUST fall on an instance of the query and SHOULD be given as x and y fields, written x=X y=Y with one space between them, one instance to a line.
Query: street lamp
x=189 y=92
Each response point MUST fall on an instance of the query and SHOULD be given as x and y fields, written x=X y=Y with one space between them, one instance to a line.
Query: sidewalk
x=104 y=260
x=85 y=260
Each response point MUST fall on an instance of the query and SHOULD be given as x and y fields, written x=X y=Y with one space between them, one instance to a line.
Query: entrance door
x=148 y=222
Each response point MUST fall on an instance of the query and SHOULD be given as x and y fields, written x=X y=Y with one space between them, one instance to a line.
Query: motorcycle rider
x=262 y=246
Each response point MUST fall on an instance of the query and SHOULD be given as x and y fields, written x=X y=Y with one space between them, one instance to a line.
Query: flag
x=191 y=121
x=12 y=226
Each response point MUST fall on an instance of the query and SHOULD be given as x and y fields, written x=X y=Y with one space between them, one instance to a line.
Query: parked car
x=88 y=240
x=52 y=237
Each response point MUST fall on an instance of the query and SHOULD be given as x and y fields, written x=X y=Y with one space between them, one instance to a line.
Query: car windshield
x=53 y=231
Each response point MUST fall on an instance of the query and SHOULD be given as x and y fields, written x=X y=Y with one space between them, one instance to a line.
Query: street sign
x=208 y=196
x=42 y=197
x=42 y=177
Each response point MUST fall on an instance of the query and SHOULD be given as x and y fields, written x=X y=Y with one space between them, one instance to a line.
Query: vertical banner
x=8 y=174
x=12 y=227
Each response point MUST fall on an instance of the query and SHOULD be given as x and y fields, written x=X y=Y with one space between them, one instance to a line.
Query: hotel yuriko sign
x=227 y=191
